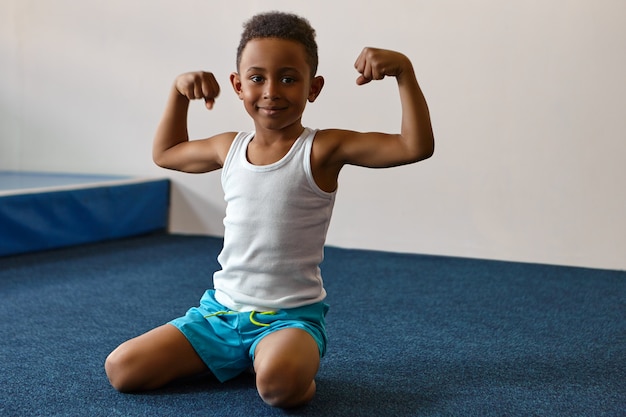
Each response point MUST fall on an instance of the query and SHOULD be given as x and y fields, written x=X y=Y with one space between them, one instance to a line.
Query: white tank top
x=275 y=229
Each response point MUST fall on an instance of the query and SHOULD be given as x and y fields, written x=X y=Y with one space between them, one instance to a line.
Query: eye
x=256 y=78
x=287 y=80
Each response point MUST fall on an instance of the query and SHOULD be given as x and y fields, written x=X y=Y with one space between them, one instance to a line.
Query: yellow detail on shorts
x=252 y=313
x=266 y=313
x=219 y=313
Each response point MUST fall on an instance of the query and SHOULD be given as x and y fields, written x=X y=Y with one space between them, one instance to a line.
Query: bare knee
x=129 y=371
x=118 y=367
x=284 y=388
x=286 y=362
x=152 y=360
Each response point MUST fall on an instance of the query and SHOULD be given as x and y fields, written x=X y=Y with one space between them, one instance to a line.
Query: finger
x=362 y=80
x=373 y=71
x=210 y=87
x=378 y=74
x=209 y=103
x=197 y=89
x=367 y=72
x=362 y=64
x=362 y=58
x=359 y=64
x=206 y=91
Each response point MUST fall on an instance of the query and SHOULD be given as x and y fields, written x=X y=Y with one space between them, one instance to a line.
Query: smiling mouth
x=271 y=110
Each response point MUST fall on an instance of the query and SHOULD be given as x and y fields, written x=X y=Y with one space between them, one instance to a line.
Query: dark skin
x=274 y=72
x=275 y=83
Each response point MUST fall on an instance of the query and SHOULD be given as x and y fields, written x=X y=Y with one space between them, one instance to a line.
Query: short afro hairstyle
x=282 y=26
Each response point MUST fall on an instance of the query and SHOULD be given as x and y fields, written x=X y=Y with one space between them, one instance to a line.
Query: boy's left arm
x=415 y=141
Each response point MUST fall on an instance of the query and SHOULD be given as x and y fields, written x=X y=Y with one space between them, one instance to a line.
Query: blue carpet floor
x=410 y=335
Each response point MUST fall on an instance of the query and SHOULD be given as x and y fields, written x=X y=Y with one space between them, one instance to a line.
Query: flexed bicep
x=197 y=156
x=375 y=150
x=415 y=141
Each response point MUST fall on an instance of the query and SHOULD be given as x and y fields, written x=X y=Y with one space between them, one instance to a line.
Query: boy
x=267 y=308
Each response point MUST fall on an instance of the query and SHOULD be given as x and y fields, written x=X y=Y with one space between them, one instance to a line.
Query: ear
x=316 y=88
x=235 y=81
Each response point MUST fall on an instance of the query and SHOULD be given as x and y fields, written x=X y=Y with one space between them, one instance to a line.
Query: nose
x=271 y=90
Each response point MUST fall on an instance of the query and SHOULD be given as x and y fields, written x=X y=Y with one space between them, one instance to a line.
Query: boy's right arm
x=172 y=148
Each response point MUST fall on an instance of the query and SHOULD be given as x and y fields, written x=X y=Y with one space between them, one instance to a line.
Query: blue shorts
x=225 y=340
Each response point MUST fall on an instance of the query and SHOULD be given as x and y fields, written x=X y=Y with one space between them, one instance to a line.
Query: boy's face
x=275 y=81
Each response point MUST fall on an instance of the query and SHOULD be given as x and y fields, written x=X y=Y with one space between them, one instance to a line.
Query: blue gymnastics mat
x=40 y=211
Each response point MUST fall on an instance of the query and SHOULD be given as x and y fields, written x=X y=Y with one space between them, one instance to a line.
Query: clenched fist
x=375 y=64
x=198 y=85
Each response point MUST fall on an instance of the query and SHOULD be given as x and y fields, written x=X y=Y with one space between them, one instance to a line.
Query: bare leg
x=152 y=360
x=285 y=364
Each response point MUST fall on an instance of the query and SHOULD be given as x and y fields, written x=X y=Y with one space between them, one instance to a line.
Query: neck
x=269 y=136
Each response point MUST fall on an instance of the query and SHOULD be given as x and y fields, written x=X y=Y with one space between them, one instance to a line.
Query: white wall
x=527 y=100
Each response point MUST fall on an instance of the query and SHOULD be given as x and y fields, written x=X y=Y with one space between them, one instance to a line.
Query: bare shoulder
x=334 y=134
x=335 y=148
x=329 y=141
x=224 y=140
x=216 y=147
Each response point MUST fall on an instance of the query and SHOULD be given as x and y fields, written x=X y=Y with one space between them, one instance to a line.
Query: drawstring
x=219 y=313
x=264 y=313
x=252 y=313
